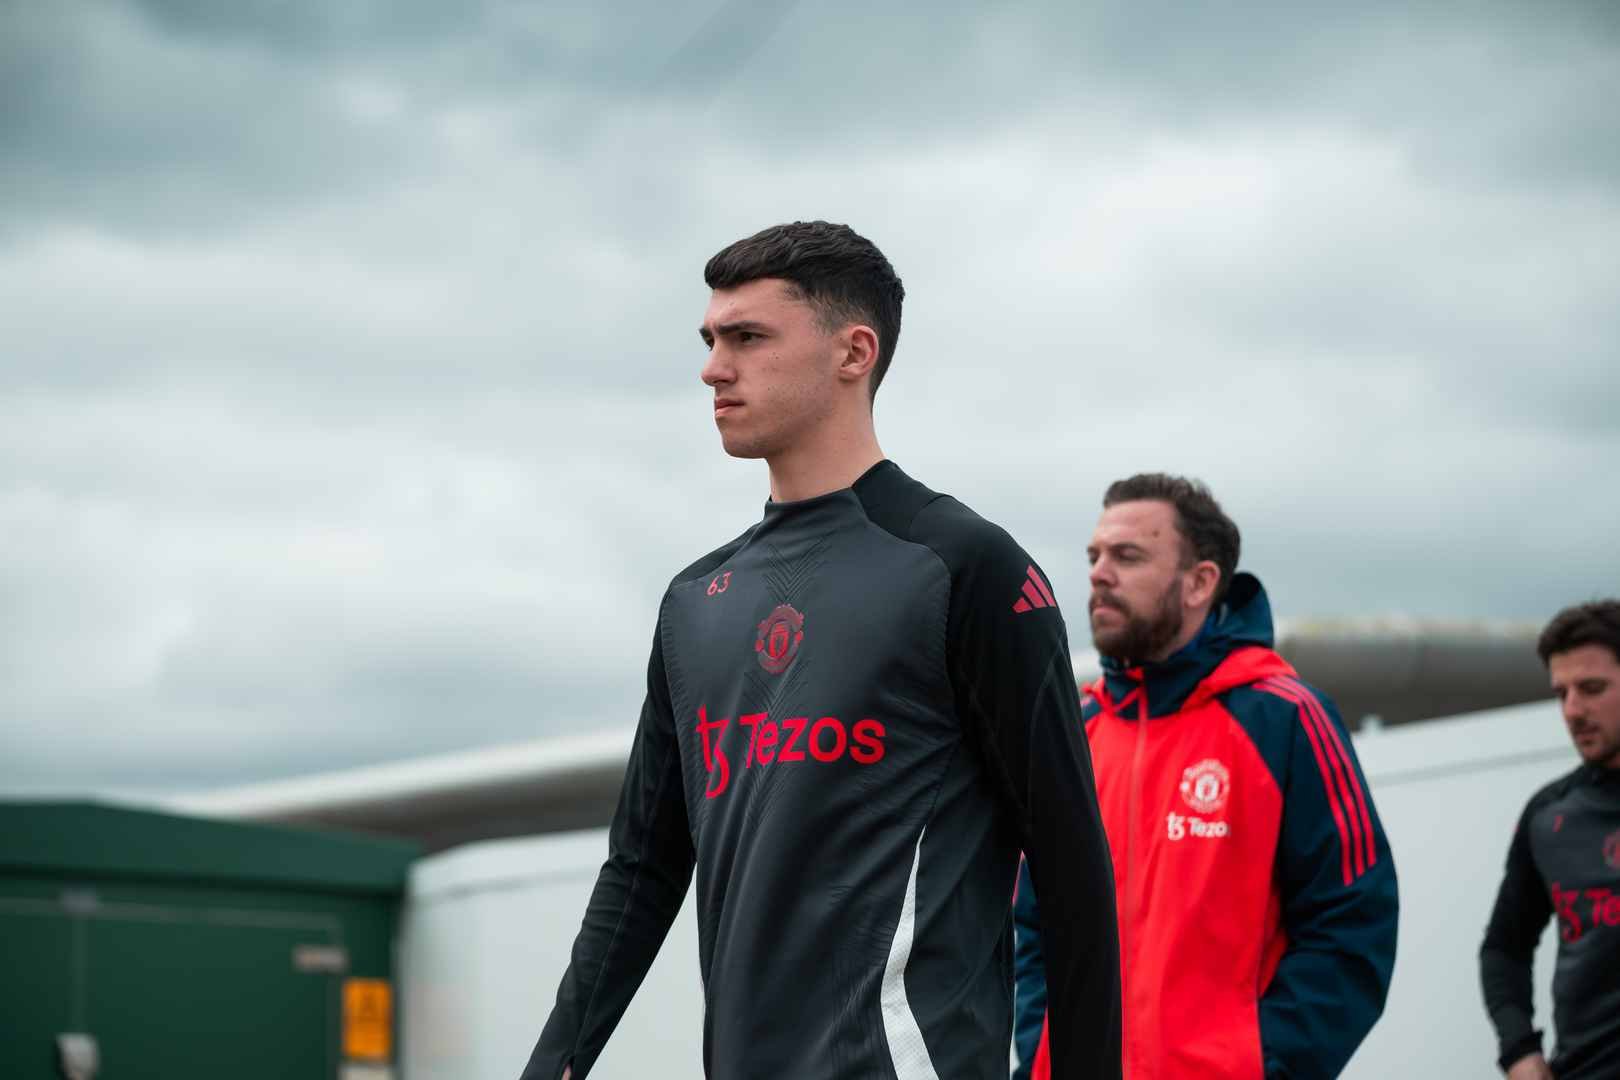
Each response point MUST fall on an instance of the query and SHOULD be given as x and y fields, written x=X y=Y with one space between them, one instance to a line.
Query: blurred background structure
x=1381 y=672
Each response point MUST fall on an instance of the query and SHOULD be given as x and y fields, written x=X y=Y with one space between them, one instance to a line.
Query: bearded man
x=1256 y=893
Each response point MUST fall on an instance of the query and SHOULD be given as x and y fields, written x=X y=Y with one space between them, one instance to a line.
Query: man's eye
x=745 y=336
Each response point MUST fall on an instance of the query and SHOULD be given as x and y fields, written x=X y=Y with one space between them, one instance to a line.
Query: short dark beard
x=1143 y=637
x=1608 y=757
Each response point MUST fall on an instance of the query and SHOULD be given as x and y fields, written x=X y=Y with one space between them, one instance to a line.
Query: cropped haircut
x=1595 y=623
x=1206 y=531
x=838 y=272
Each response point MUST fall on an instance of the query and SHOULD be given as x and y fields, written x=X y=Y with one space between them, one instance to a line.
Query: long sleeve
x=637 y=895
x=1339 y=900
x=1015 y=688
x=1506 y=956
x=1029 y=975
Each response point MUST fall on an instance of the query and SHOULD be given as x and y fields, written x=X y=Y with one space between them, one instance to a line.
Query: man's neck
x=834 y=459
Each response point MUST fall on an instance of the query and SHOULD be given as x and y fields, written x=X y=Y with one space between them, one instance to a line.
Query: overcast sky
x=349 y=405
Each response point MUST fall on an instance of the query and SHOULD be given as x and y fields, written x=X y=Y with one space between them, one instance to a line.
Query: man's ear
x=860 y=343
x=1206 y=578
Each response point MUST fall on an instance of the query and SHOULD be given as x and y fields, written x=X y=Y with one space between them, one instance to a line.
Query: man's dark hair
x=1206 y=531
x=1596 y=623
x=832 y=267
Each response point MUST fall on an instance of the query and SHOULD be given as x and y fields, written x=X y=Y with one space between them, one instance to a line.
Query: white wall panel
x=485 y=939
x=1450 y=793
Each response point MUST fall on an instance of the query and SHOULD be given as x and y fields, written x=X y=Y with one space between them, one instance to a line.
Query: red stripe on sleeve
x=1328 y=784
x=1034 y=597
x=1040 y=583
x=1349 y=787
x=1332 y=729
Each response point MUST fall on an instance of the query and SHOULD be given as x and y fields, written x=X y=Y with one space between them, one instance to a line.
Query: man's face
x=1586 y=681
x=772 y=365
x=1136 y=580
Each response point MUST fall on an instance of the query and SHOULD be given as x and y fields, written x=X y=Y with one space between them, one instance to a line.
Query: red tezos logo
x=1204 y=785
x=780 y=635
x=777 y=743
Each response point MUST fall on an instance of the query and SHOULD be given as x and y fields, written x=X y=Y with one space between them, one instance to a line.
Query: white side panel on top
x=485 y=938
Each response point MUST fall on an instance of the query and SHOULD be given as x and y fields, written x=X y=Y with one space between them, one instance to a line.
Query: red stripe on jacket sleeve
x=1330 y=784
x=1362 y=815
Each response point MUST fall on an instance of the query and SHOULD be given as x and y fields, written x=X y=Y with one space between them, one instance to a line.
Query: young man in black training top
x=1565 y=861
x=858 y=712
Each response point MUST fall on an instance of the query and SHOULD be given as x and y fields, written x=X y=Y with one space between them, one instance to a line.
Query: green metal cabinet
x=186 y=947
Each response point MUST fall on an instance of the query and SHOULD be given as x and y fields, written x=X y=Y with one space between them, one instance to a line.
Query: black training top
x=858 y=712
x=1565 y=860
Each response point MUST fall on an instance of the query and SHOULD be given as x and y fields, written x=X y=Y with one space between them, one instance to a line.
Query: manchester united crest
x=1204 y=786
x=780 y=635
x=1611 y=849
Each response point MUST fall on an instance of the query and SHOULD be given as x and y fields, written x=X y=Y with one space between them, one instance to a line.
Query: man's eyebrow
x=723 y=329
x=745 y=325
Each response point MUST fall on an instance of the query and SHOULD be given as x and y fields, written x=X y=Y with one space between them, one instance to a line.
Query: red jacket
x=1256 y=894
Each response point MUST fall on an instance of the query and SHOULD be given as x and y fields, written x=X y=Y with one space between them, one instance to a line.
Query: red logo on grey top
x=780 y=635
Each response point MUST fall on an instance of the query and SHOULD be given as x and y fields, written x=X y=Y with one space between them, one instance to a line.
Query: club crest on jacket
x=1204 y=786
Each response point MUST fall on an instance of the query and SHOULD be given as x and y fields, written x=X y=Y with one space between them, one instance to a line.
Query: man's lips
x=722 y=406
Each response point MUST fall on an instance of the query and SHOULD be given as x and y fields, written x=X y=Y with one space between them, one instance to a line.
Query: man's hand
x=1529 y=1067
x=568 y=1072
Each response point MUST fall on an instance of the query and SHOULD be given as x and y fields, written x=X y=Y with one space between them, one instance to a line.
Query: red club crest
x=1611 y=849
x=780 y=635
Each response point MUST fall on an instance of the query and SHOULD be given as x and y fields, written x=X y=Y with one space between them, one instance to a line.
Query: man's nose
x=718 y=369
x=1574 y=707
x=1102 y=575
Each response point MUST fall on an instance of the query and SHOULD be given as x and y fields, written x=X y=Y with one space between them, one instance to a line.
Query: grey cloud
x=179 y=114
x=107 y=121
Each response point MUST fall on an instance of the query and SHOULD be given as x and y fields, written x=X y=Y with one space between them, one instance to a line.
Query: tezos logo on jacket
x=780 y=635
x=1205 y=785
x=1180 y=826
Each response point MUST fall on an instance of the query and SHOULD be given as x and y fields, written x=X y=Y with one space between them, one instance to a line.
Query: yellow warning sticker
x=368 y=1019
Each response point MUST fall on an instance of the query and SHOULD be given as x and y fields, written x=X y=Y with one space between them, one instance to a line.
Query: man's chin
x=1605 y=756
x=1109 y=645
x=742 y=448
